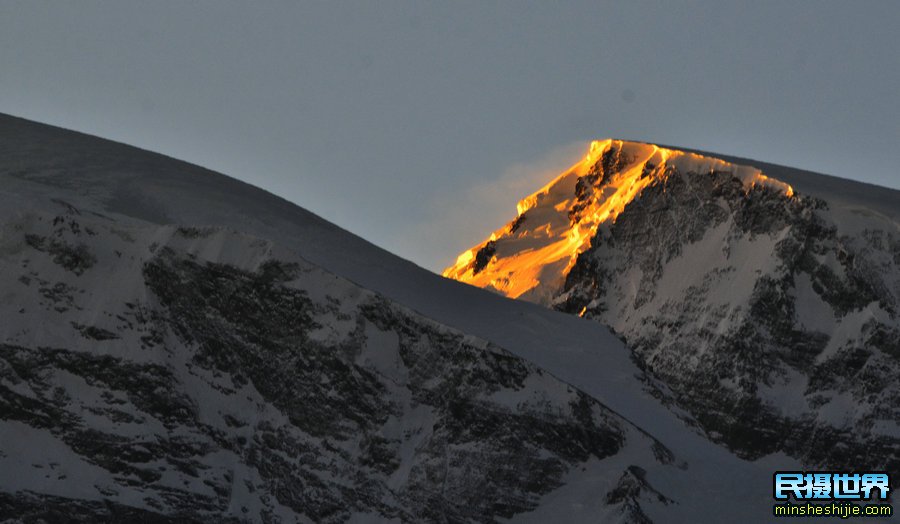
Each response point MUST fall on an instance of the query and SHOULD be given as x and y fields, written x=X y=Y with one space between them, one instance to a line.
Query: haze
x=418 y=126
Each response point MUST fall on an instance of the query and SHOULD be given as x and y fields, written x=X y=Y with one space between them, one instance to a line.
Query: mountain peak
x=747 y=301
x=531 y=255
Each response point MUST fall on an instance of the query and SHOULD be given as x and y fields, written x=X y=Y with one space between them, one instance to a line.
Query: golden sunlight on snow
x=531 y=255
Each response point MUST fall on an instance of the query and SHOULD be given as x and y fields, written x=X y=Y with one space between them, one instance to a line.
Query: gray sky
x=418 y=125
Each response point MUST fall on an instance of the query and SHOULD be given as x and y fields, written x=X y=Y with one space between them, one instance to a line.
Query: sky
x=418 y=125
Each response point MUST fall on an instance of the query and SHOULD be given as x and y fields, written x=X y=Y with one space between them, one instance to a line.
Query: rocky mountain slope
x=179 y=345
x=197 y=374
x=769 y=314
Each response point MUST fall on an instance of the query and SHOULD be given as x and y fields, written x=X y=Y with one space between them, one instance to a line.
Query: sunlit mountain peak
x=530 y=256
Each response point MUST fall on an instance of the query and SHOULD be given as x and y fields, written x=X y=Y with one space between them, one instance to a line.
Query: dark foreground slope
x=162 y=372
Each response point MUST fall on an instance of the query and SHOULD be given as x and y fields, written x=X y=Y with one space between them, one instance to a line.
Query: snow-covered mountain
x=765 y=299
x=176 y=345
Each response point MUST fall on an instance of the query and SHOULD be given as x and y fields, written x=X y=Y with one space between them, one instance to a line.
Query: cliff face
x=770 y=316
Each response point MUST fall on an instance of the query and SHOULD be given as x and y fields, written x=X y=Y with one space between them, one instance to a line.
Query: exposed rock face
x=155 y=374
x=772 y=317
